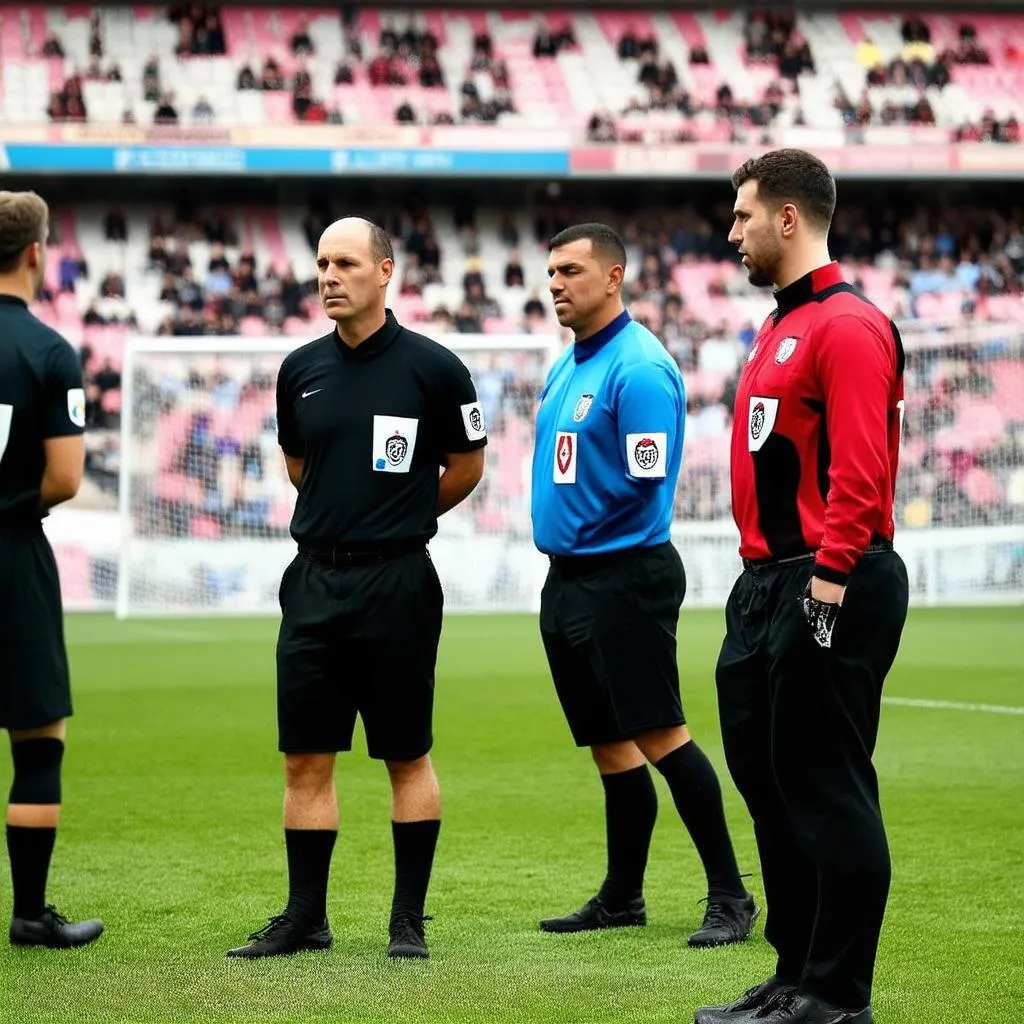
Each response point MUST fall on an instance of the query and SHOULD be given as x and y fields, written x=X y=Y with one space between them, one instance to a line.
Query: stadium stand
x=245 y=268
x=675 y=75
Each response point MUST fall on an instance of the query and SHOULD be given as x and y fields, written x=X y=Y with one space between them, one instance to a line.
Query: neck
x=598 y=322
x=16 y=285
x=354 y=332
x=802 y=263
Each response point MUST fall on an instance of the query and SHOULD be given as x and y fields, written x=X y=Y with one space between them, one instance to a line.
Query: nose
x=736 y=235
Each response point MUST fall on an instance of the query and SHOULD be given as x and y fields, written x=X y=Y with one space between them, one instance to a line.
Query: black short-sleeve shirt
x=41 y=396
x=373 y=424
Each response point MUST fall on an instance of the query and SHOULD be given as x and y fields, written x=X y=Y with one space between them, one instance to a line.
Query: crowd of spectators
x=969 y=252
x=406 y=53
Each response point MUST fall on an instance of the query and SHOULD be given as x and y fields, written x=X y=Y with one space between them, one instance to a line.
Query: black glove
x=820 y=616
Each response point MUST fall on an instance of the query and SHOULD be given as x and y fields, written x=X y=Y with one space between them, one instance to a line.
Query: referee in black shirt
x=368 y=417
x=42 y=455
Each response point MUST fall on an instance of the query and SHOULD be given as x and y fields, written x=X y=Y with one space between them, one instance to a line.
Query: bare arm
x=462 y=472
x=295 y=466
x=65 y=463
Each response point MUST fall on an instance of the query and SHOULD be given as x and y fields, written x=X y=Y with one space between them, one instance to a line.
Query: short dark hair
x=792 y=176
x=381 y=247
x=24 y=219
x=604 y=241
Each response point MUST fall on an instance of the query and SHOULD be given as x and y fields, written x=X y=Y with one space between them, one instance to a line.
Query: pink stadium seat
x=178 y=488
x=280 y=513
x=252 y=327
x=690 y=29
x=296 y=328
x=111 y=401
x=205 y=528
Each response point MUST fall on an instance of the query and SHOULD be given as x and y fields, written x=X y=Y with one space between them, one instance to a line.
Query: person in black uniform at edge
x=42 y=457
x=814 y=622
x=368 y=417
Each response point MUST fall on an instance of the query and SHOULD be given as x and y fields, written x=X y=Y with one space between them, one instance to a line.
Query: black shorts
x=34 y=685
x=608 y=623
x=358 y=640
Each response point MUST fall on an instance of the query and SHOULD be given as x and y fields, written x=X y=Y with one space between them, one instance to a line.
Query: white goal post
x=205 y=501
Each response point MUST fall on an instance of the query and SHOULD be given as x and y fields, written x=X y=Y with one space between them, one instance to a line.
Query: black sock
x=309 y=866
x=30 y=850
x=415 y=842
x=694 y=786
x=630 y=810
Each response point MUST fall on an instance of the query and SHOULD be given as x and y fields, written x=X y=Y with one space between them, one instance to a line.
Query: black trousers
x=799 y=724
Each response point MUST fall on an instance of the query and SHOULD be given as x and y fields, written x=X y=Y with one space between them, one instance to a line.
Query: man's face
x=580 y=284
x=349 y=280
x=755 y=232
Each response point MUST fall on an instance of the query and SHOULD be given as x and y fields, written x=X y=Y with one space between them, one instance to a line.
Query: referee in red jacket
x=814 y=621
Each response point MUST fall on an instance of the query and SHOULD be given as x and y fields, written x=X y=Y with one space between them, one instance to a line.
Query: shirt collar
x=587 y=347
x=13 y=300
x=804 y=289
x=376 y=343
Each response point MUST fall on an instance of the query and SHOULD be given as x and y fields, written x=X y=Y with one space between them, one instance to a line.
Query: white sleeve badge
x=473 y=420
x=646 y=454
x=76 y=406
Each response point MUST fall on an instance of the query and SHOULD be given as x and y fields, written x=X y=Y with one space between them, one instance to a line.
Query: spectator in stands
x=151 y=80
x=115 y=226
x=404 y=113
x=202 y=112
x=302 y=41
x=628 y=47
x=246 y=79
x=165 y=112
x=272 y=78
x=467 y=319
x=431 y=75
x=52 y=46
x=95 y=36
x=514 y=277
x=344 y=74
x=70 y=269
x=112 y=286
x=544 y=43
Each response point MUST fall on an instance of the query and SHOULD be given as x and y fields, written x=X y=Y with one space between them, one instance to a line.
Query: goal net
x=205 y=502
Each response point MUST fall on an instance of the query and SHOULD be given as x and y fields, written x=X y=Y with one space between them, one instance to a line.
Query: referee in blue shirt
x=608 y=450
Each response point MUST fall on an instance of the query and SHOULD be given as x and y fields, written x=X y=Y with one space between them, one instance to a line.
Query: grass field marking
x=952 y=705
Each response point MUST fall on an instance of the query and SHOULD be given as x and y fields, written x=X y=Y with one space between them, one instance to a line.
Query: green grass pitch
x=171 y=833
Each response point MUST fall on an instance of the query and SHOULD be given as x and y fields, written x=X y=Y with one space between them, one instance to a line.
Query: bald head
x=354 y=261
x=358 y=233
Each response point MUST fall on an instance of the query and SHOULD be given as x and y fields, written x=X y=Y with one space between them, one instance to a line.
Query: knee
x=612 y=758
x=406 y=771
x=37 y=764
x=308 y=771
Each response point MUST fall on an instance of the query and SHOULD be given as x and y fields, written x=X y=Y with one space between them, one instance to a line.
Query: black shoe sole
x=735 y=941
x=243 y=952
x=556 y=927
x=43 y=944
x=408 y=953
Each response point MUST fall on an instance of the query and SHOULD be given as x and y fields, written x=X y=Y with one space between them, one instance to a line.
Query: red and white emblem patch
x=565 y=458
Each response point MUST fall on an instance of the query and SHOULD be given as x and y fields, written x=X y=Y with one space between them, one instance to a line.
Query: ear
x=34 y=257
x=387 y=271
x=615 y=278
x=789 y=217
